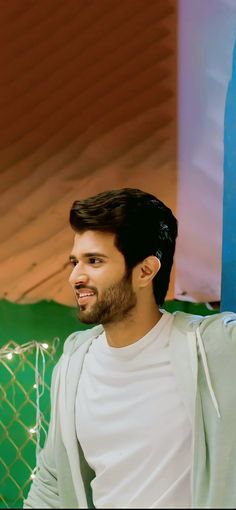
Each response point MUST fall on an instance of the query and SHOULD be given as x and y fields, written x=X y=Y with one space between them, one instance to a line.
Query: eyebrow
x=89 y=254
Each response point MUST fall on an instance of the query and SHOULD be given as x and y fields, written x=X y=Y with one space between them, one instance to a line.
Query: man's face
x=102 y=287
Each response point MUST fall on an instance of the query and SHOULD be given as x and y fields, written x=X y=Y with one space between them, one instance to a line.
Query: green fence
x=24 y=414
x=25 y=373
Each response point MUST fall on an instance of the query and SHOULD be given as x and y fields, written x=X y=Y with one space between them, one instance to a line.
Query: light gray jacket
x=203 y=357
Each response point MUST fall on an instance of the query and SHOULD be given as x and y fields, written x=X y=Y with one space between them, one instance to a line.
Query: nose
x=78 y=276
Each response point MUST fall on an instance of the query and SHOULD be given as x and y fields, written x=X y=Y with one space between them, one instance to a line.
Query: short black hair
x=143 y=225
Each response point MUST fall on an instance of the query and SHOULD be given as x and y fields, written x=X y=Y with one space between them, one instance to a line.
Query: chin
x=85 y=318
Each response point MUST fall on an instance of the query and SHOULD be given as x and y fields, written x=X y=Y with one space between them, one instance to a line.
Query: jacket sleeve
x=43 y=492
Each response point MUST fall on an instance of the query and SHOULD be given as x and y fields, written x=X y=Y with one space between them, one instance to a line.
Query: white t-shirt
x=132 y=425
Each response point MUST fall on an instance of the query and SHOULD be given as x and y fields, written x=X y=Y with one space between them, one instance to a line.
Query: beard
x=114 y=305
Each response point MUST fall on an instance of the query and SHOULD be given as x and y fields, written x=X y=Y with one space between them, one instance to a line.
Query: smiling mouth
x=84 y=297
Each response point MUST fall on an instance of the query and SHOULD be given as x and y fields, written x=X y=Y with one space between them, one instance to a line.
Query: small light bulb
x=35 y=386
x=32 y=431
x=45 y=346
x=32 y=476
x=9 y=355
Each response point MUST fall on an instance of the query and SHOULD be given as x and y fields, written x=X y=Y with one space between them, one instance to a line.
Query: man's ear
x=149 y=267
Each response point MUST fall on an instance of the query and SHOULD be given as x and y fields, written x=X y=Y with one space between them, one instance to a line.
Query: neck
x=132 y=329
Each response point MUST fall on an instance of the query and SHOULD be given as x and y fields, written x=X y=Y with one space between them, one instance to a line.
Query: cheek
x=135 y=278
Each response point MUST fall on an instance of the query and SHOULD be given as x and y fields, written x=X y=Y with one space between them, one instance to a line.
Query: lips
x=84 y=296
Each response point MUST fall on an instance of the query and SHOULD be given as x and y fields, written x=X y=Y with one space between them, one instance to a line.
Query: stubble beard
x=115 y=304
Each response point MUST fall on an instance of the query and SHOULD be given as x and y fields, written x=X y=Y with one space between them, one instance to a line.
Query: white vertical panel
x=207 y=31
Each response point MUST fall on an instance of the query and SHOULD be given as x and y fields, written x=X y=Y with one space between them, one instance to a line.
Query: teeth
x=85 y=295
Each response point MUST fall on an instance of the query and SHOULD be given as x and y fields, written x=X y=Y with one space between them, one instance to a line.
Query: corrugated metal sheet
x=88 y=103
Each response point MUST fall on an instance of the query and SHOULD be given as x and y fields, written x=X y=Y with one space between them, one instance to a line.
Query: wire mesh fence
x=25 y=376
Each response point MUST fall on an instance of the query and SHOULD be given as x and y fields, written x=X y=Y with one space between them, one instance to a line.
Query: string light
x=7 y=352
x=33 y=474
x=33 y=430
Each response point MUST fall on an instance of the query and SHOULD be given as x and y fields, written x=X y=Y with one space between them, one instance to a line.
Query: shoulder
x=186 y=322
x=78 y=338
x=71 y=346
x=224 y=321
x=215 y=329
x=219 y=331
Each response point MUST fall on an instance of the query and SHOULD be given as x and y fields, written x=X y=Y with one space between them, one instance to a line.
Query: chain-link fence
x=25 y=376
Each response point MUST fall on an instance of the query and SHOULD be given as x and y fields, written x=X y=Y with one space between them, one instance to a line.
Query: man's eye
x=94 y=260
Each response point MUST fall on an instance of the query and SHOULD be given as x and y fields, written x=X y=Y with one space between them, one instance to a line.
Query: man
x=143 y=404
